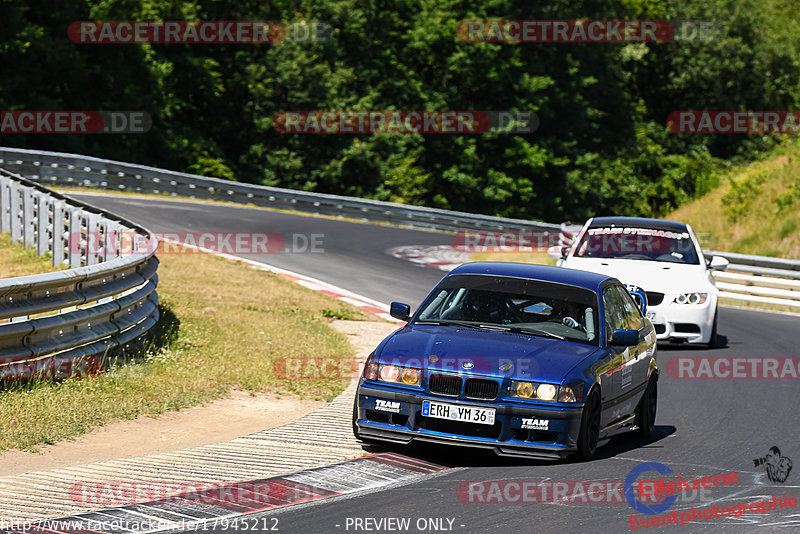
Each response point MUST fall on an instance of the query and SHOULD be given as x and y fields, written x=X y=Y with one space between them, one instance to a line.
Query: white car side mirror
x=556 y=252
x=718 y=262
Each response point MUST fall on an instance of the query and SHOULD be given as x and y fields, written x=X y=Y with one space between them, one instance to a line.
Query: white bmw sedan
x=664 y=259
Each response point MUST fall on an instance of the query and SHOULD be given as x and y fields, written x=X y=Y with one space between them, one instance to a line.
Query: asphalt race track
x=704 y=427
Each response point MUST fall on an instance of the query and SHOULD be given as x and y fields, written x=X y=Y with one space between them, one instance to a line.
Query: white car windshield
x=515 y=305
x=638 y=244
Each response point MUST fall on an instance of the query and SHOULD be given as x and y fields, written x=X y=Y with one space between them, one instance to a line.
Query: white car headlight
x=691 y=298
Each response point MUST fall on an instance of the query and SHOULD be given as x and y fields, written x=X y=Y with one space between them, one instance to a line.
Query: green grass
x=539 y=258
x=16 y=260
x=754 y=211
x=346 y=314
x=234 y=324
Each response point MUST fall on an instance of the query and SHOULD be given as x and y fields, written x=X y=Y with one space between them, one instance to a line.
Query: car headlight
x=691 y=298
x=546 y=392
x=395 y=374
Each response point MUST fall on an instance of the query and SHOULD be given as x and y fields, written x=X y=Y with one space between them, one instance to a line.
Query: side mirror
x=639 y=297
x=718 y=263
x=557 y=252
x=401 y=311
x=625 y=338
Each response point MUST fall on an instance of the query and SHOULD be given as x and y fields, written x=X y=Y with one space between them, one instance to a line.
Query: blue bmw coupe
x=526 y=360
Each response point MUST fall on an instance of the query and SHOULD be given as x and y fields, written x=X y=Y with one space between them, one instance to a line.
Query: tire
x=589 y=433
x=355 y=417
x=646 y=411
x=712 y=341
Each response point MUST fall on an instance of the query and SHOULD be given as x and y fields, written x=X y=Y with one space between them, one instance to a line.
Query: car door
x=636 y=359
x=615 y=319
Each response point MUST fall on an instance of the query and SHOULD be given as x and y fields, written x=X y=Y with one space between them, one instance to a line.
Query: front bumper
x=400 y=421
x=683 y=322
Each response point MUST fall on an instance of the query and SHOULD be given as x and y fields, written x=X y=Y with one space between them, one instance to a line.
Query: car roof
x=638 y=222
x=560 y=275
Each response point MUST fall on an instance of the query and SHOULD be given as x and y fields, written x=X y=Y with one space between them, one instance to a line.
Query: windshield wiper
x=495 y=327
x=450 y=323
x=522 y=330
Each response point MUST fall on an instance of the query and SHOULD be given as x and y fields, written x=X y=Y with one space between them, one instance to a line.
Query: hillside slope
x=756 y=209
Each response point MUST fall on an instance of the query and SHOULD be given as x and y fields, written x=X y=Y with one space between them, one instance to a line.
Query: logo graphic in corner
x=535 y=424
x=387 y=406
x=777 y=466
x=630 y=482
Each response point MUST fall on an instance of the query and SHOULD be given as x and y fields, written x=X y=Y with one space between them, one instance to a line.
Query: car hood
x=649 y=275
x=483 y=352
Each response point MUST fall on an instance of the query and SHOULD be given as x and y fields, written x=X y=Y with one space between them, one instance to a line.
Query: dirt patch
x=222 y=420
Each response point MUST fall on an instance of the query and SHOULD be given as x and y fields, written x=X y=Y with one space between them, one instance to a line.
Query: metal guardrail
x=73 y=321
x=752 y=278
x=759 y=279
x=74 y=170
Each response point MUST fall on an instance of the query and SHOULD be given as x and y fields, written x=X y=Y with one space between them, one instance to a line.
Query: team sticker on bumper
x=534 y=423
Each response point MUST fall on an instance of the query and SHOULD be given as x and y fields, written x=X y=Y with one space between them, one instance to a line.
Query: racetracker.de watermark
x=74 y=122
x=104 y=493
x=238 y=243
x=54 y=368
x=561 y=491
x=734 y=122
x=564 y=31
x=316 y=368
x=523 y=241
x=405 y=122
x=733 y=367
x=197 y=32
x=585 y=31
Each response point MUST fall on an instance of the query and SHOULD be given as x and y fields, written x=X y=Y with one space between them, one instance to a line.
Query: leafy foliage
x=602 y=145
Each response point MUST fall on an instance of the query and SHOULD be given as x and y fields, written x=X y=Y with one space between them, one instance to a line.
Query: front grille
x=660 y=328
x=686 y=328
x=445 y=385
x=481 y=389
x=456 y=427
x=654 y=299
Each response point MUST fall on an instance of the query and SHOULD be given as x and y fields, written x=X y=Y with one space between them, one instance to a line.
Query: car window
x=614 y=311
x=633 y=317
x=533 y=306
x=637 y=244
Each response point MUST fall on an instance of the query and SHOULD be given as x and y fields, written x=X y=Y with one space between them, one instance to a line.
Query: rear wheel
x=646 y=411
x=589 y=433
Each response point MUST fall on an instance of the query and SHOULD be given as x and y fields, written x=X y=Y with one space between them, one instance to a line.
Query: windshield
x=513 y=304
x=637 y=244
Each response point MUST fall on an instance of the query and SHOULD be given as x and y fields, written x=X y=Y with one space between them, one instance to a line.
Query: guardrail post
x=92 y=239
x=74 y=236
x=16 y=226
x=5 y=207
x=42 y=225
x=58 y=233
x=28 y=221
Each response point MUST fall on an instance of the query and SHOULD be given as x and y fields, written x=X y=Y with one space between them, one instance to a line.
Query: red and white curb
x=228 y=506
x=360 y=301
x=442 y=257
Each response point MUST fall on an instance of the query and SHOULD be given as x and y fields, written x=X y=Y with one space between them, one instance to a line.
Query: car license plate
x=651 y=315
x=453 y=412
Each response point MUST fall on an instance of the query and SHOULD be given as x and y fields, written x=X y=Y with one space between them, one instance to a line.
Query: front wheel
x=712 y=341
x=589 y=433
x=646 y=411
x=355 y=417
